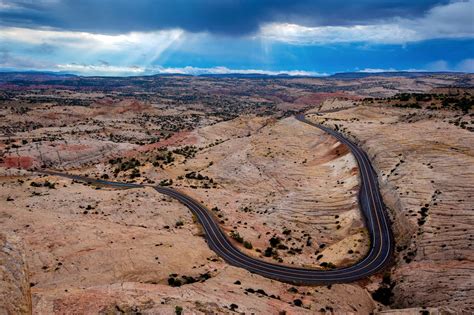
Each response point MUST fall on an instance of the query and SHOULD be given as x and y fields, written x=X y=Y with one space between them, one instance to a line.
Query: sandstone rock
x=426 y=175
x=15 y=295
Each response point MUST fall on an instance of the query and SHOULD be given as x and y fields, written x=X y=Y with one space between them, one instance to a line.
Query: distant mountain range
x=406 y=74
x=8 y=76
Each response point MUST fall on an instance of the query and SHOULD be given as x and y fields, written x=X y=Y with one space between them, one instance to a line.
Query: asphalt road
x=371 y=205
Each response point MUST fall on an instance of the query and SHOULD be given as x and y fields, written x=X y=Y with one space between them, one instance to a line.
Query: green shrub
x=298 y=302
x=268 y=252
x=248 y=245
x=236 y=236
x=274 y=241
x=166 y=182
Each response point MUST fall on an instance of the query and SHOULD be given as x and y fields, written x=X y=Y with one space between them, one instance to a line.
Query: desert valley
x=282 y=191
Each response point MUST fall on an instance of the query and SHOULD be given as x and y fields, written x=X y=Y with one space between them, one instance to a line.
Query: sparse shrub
x=165 y=156
x=49 y=185
x=268 y=252
x=293 y=290
x=187 y=151
x=174 y=282
x=274 y=241
x=248 y=245
x=45 y=184
x=383 y=295
x=135 y=173
x=298 y=302
x=166 y=182
x=236 y=236
x=328 y=265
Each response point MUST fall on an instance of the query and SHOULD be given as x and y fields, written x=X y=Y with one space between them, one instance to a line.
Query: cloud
x=230 y=17
x=10 y=61
x=100 y=69
x=132 y=47
x=106 y=22
x=439 y=65
x=467 y=65
x=302 y=35
x=225 y=70
x=7 y=6
x=377 y=70
x=453 y=20
x=109 y=70
x=83 y=40
x=131 y=37
x=104 y=62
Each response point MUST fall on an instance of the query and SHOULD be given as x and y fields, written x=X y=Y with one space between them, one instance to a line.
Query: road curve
x=370 y=204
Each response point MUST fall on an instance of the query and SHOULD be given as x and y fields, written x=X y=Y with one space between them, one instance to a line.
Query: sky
x=296 y=37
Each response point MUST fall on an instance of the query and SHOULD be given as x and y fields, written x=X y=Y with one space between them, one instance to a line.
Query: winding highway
x=371 y=205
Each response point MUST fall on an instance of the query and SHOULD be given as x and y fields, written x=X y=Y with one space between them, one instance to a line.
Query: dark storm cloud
x=232 y=17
